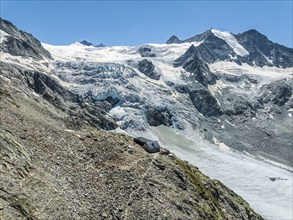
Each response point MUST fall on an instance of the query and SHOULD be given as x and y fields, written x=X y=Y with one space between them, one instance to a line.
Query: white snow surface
x=231 y=41
x=3 y=35
x=244 y=174
x=28 y=63
x=166 y=52
x=265 y=74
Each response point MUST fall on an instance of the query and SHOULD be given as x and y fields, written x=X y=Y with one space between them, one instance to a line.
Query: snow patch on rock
x=231 y=41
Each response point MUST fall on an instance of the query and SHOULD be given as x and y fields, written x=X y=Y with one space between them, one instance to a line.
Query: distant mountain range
x=86 y=43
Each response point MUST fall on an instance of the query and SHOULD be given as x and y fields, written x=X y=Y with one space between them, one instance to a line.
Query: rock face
x=86 y=43
x=159 y=116
x=205 y=102
x=263 y=51
x=20 y=43
x=278 y=93
x=146 y=67
x=265 y=116
x=192 y=63
x=211 y=49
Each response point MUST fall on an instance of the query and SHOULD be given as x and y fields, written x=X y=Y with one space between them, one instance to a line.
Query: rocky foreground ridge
x=57 y=162
x=54 y=168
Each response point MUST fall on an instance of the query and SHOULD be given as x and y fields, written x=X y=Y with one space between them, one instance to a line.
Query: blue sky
x=139 y=22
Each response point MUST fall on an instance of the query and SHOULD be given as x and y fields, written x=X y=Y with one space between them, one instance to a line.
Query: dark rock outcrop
x=236 y=104
x=278 y=93
x=86 y=43
x=192 y=62
x=159 y=116
x=100 y=45
x=182 y=88
x=205 y=102
x=212 y=48
x=200 y=37
x=147 y=67
x=146 y=52
x=20 y=43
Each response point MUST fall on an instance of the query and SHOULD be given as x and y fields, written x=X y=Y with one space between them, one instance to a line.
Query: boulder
x=149 y=145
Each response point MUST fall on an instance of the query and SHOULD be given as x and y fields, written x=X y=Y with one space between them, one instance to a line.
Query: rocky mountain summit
x=251 y=47
x=59 y=104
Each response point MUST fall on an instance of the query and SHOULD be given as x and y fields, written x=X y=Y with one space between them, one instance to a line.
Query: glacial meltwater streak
x=245 y=175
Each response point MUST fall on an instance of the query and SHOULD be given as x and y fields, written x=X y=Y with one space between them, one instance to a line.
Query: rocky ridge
x=261 y=51
x=20 y=43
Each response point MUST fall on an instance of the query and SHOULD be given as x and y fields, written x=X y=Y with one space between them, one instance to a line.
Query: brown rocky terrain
x=57 y=166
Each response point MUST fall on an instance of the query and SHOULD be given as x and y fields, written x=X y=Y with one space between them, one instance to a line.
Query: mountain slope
x=49 y=171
